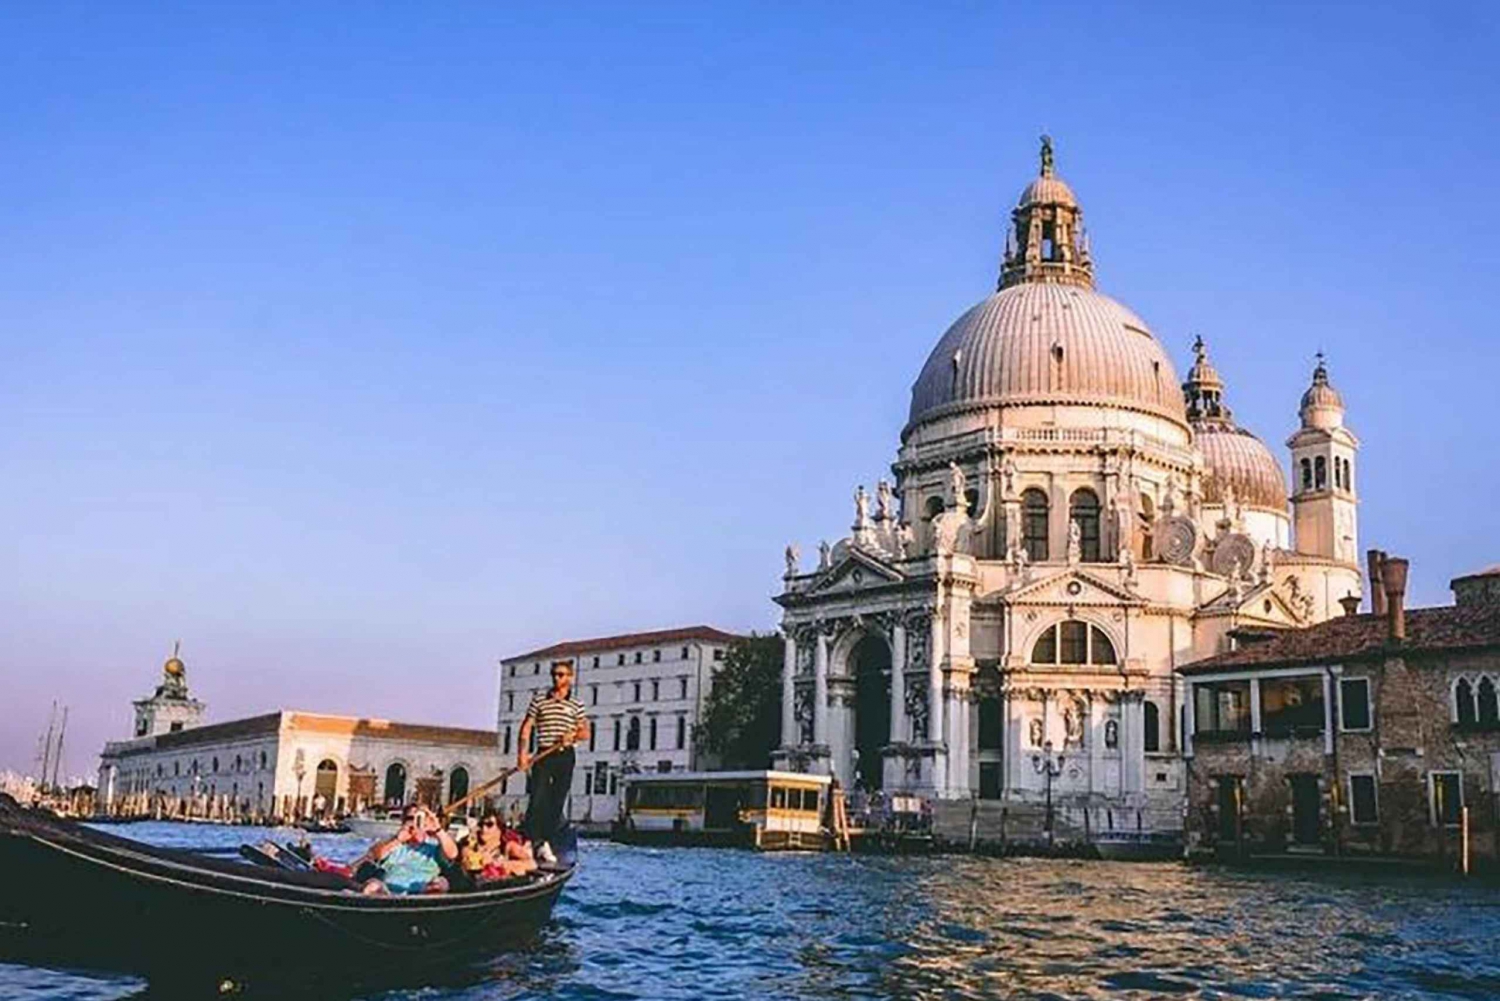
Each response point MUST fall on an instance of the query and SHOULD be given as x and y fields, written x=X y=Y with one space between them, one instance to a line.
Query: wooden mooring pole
x=1463 y=826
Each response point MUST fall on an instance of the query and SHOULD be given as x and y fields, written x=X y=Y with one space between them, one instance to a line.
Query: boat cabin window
x=666 y=797
x=778 y=798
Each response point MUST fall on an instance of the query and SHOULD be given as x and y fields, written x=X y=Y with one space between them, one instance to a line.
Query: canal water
x=705 y=923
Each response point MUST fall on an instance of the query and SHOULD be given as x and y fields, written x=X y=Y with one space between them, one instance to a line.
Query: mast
x=58 y=756
x=47 y=747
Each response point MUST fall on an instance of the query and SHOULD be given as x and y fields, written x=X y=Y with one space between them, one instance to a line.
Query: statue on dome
x=825 y=559
x=793 y=555
x=1047 y=156
x=959 y=484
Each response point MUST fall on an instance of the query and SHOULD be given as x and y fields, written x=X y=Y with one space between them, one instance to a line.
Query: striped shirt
x=555 y=719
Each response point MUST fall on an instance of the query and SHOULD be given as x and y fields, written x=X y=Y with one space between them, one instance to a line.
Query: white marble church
x=1067 y=524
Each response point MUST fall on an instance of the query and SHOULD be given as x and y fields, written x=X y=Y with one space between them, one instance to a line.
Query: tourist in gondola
x=559 y=722
x=412 y=861
x=494 y=851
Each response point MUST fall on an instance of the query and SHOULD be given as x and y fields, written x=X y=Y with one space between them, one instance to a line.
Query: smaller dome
x=1048 y=190
x=1322 y=406
x=1235 y=457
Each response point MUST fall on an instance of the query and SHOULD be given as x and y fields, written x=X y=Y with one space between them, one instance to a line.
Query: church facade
x=1065 y=524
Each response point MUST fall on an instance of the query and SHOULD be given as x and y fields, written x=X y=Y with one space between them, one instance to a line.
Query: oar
x=485 y=787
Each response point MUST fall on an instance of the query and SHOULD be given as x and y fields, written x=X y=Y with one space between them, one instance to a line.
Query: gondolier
x=559 y=722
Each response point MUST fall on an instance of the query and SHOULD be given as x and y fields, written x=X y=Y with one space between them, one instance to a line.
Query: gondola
x=76 y=897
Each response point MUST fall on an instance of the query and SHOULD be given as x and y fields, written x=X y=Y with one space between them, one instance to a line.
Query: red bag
x=324 y=865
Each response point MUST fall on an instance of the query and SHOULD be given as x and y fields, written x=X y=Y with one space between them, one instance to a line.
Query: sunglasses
x=488 y=823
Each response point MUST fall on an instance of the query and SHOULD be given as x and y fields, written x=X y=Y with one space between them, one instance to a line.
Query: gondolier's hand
x=523 y=759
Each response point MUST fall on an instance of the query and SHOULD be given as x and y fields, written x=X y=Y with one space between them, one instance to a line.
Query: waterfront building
x=284 y=764
x=643 y=693
x=1066 y=524
x=1367 y=734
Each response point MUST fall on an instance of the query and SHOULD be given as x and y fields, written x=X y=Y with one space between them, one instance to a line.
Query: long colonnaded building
x=1067 y=523
x=284 y=764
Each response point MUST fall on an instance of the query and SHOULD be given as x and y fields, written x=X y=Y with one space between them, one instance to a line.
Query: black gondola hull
x=77 y=898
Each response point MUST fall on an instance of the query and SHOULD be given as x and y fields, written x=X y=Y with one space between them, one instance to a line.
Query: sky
x=359 y=346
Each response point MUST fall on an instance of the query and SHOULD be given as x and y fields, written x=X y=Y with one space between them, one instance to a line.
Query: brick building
x=1371 y=733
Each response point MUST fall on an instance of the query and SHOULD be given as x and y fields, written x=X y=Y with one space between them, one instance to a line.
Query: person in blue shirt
x=412 y=861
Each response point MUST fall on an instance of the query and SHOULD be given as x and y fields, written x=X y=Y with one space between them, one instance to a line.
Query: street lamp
x=1043 y=765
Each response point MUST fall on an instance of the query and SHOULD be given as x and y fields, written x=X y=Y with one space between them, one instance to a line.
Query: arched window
x=1045 y=650
x=1151 y=739
x=1463 y=702
x=505 y=747
x=1073 y=642
x=1145 y=527
x=1101 y=650
x=1320 y=473
x=1084 y=509
x=1034 y=525
x=1348 y=475
x=395 y=784
x=1488 y=708
x=1306 y=474
x=633 y=734
x=326 y=781
x=653 y=733
x=458 y=783
x=934 y=507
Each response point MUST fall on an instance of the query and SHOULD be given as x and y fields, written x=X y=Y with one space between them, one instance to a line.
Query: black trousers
x=551 y=779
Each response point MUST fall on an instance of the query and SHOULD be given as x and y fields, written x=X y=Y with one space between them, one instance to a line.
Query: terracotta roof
x=1354 y=637
x=662 y=637
x=384 y=729
x=210 y=733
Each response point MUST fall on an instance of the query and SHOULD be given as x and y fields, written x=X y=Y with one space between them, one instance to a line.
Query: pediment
x=1069 y=587
x=856 y=571
x=1260 y=605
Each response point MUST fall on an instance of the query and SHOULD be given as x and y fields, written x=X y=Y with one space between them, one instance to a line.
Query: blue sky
x=360 y=346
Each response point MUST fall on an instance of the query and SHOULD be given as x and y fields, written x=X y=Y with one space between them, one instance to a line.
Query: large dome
x=1040 y=342
x=1235 y=457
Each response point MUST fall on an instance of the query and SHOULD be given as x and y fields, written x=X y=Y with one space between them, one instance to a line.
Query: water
x=705 y=923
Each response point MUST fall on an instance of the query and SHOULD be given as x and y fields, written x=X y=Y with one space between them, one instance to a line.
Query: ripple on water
x=697 y=923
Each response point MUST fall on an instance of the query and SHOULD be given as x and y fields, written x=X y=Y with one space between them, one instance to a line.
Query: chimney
x=1393 y=578
x=1350 y=603
x=1376 y=561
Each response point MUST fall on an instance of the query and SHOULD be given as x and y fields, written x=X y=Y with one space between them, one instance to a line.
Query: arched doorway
x=991 y=732
x=326 y=784
x=871 y=664
x=395 y=784
x=458 y=783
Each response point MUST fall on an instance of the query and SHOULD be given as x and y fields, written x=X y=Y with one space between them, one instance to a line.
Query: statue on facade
x=905 y=540
x=885 y=502
x=1127 y=565
x=1074 y=712
x=793 y=554
x=825 y=560
x=1075 y=543
x=1111 y=734
x=1035 y=732
x=1267 y=561
x=958 y=483
x=861 y=508
x=1169 y=496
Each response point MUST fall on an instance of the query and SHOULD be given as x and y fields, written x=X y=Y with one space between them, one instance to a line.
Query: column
x=789 y=735
x=936 y=732
x=1327 y=712
x=820 y=690
x=898 y=683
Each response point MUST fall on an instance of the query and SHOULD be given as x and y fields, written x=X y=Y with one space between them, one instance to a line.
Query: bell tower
x=1324 y=500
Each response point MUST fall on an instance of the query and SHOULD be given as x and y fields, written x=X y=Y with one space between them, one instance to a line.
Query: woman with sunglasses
x=412 y=861
x=494 y=851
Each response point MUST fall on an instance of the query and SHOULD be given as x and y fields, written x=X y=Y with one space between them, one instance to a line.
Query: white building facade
x=284 y=764
x=644 y=693
x=1067 y=522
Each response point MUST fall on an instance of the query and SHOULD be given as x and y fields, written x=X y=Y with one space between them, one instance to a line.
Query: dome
x=1044 y=342
x=1047 y=190
x=1234 y=456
